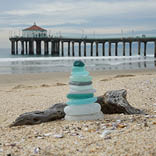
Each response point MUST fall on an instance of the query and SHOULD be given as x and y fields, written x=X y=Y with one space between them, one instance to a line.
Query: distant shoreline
x=6 y=79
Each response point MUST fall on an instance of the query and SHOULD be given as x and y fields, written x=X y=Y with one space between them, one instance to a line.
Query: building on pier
x=34 y=31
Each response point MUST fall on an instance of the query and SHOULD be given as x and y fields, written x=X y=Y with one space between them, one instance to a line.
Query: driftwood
x=111 y=102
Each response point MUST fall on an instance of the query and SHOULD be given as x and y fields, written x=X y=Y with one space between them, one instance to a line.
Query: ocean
x=19 y=64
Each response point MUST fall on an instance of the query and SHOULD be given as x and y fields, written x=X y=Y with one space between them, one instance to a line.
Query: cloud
x=83 y=12
x=72 y=16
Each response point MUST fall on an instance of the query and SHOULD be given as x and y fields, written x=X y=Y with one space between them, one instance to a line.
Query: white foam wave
x=67 y=58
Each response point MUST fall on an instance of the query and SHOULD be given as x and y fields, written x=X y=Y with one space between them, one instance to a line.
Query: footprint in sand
x=106 y=79
x=21 y=86
x=117 y=76
x=60 y=84
x=45 y=85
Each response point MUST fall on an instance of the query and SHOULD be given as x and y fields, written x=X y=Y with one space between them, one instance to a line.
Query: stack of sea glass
x=81 y=104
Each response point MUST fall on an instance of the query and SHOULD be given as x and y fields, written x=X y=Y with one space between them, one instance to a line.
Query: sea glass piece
x=82 y=101
x=78 y=69
x=80 y=83
x=79 y=96
x=82 y=91
x=82 y=109
x=74 y=87
x=79 y=63
x=96 y=116
x=80 y=78
x=84 y=73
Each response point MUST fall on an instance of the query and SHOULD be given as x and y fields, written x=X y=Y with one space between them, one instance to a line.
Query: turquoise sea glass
x=79 y=63
x=79 y=96
x=80 y=78
x=82 y=101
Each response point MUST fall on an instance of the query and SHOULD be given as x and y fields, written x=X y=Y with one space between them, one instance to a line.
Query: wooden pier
x=33 y=46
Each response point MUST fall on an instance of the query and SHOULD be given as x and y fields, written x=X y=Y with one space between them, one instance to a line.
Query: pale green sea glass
x=81 y=78
x=84 y=73
x=78 y=69
x=82 y=101
x=79 y=88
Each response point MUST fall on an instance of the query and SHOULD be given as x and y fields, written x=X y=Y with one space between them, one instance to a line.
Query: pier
x=55 y=46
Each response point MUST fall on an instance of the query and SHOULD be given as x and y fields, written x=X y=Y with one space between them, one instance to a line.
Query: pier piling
x=91 y=49
x=79 y=48
x=73 y=52
x=145 y=45
x=130 y=48
x=16 y=47
x=68 y=48
x=13 y=47
x=110 y=45
x=139 y=47
x=97 y=49
x=85 y=49
x=103 y=48
x=27 y=45
x=62 y=48
x=124 y=49
x=116 y=49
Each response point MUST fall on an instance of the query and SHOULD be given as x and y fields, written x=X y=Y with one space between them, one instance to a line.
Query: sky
x=91 y=18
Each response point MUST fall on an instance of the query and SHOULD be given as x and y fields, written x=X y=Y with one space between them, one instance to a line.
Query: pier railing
x=33 y=45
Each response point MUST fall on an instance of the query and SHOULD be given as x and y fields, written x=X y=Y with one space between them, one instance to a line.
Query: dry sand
x=116 y=135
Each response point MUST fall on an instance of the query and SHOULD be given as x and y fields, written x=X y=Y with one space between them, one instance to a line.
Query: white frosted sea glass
x=96 y=116
x=82 y=91
x=82 y=109
x=74 y=87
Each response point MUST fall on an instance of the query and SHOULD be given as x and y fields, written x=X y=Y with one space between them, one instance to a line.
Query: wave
x=70 y=58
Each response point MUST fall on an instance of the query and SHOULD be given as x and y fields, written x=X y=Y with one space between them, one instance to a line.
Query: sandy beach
x=134 y=135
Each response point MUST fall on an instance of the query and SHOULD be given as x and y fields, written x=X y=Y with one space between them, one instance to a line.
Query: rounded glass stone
x=83 y=109
x=84 y=73
x=80 y=88
x=96 y=116
x=80 y=78
x=79 y=63
x=80 y=83
x=82 y=91
x=78 y=69
x=82 y=101
x=79 y=96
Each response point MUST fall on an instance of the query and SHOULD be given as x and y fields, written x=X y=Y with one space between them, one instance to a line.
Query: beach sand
x=116 y=135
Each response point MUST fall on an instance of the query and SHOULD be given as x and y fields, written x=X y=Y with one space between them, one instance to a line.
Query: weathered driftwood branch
x=111 y=102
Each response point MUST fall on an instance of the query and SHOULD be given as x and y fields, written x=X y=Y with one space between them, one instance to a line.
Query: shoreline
x=61 y=76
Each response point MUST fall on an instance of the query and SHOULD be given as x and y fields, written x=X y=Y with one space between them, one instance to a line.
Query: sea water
x=13 y=64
